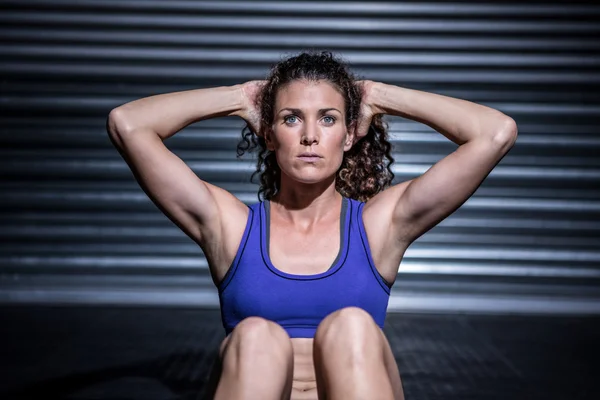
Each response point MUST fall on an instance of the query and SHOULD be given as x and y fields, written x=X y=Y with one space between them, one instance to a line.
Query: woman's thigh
x=392 y=368
x=375 y=334
x=210 y=387
x=217 y=366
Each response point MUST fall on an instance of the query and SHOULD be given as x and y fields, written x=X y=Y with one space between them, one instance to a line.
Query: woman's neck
x=302 y=208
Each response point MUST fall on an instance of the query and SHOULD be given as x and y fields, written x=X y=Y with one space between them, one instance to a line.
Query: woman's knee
x=255 y=335
x=353 y=323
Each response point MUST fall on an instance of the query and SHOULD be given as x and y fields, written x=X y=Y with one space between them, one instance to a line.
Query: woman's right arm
x=203 y=211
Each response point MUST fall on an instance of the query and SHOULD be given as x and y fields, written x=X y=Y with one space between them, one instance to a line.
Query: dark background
x=96 y=284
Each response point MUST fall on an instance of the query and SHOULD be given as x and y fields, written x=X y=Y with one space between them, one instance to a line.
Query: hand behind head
x=250 y=111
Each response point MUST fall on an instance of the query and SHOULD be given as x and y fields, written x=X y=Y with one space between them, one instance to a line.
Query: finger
x=363 y=128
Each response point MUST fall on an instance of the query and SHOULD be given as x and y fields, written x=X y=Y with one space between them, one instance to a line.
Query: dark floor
x=117 y=353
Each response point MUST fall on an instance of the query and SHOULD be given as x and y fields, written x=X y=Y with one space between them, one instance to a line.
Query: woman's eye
x=286 y=119
x=331 y=119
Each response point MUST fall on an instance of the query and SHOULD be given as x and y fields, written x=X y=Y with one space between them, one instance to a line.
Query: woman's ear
x=269 y=139
x=350 y=136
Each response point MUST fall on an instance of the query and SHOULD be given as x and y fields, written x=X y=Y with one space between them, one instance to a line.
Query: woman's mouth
x=309 y=157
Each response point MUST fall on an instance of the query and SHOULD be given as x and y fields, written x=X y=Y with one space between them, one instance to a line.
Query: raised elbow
x=117 y=126
x=507 y=133
x=116 y=123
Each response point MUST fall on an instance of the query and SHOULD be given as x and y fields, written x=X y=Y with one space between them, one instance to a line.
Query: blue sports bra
x=253 y=286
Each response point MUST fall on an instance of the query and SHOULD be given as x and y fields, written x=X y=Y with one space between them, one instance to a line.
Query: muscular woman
x=304 y=275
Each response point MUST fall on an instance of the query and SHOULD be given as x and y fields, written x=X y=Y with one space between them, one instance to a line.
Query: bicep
x=441 y=190
x=175 y=189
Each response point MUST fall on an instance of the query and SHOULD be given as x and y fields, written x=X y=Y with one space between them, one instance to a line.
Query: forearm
x=166 y=114
x=458 y=120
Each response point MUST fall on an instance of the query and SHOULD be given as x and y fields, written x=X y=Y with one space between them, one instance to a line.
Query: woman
x=304 y=276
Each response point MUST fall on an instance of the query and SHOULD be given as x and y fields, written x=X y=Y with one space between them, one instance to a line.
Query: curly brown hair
x=365 y=168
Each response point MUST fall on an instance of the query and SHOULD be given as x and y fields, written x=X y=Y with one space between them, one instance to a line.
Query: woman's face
x=309 y=118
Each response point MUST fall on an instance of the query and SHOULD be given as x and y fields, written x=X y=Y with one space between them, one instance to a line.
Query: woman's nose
x=310 y=134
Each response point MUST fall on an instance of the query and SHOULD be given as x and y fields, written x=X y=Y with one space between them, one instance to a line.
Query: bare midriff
x=304 y=385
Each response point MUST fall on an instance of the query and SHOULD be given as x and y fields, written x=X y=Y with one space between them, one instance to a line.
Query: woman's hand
x=367 y=109
x=250 y=111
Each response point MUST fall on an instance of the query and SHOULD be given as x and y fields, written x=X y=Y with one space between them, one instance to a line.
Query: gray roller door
x=76 y=228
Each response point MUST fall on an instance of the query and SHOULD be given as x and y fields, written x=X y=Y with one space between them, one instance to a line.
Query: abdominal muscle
x=304 y=384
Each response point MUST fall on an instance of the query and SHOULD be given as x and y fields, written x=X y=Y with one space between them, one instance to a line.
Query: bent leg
x=392 y=368
x=353 y=359
x=256 y=362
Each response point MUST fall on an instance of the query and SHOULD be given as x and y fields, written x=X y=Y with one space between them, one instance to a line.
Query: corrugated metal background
x=76 y=228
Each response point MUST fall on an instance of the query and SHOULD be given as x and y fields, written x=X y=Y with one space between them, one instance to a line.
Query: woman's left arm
x=484 y=136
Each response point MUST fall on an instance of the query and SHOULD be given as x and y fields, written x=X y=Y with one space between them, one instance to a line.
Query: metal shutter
x=76 y=228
